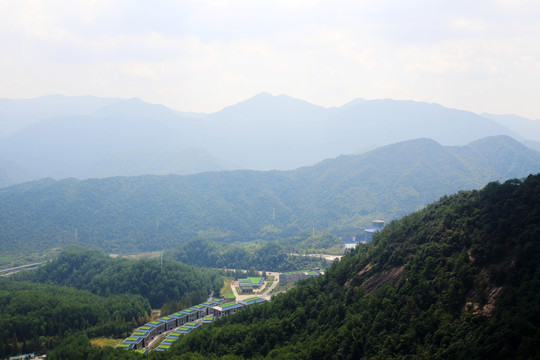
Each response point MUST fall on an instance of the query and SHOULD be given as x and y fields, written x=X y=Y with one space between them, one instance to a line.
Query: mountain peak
x=271 y=105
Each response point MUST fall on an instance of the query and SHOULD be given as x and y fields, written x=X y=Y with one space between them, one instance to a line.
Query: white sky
x=202 y=55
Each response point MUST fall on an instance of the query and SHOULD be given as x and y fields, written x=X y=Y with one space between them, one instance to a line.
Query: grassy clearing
x=102 y=342
x=226 y=289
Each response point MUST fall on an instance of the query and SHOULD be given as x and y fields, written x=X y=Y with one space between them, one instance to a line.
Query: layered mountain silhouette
x=84 y=137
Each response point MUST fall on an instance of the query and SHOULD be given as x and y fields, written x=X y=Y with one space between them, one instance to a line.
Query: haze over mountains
x=86 y=137
x=340 y=195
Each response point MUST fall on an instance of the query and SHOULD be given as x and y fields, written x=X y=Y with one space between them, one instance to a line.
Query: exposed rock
x=389 y=276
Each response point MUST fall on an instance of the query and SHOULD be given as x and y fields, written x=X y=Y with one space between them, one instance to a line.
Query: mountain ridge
x=265 y=132
x=343 y=195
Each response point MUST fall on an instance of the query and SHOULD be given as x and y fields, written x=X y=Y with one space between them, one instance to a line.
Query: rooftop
x=250 y=301
x=227 y=306
x=251 y=281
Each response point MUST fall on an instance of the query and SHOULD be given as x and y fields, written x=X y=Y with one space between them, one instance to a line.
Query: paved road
x=13 y=270
x=324 y=256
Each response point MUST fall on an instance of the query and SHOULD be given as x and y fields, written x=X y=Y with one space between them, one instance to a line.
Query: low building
x=208 y=305
x=216 y=301
x=207 y=319
x=225 y=309
x=181 y=319
x=249 y=284
x=124 y=346
x=184 y=330
x=192 y=325
x=251 y=301
x=136 y=342
x=157 y=326
x=163 y=347
x=169 y=321
x=191 y=314
x=174 y=335
x=200 y=309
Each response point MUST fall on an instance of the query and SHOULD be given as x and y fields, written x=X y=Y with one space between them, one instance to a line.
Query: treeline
x=267 y=256
x=35 y=317
x=159 y=282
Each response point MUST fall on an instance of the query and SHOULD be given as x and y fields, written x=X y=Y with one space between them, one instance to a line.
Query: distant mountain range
x=85 y=137
x=341 y=195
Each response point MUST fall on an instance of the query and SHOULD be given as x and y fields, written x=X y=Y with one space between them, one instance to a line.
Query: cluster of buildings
x=350 y=242
x=182 y=322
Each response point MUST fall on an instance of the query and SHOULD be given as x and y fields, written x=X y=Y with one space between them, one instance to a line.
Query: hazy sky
x=203 y=55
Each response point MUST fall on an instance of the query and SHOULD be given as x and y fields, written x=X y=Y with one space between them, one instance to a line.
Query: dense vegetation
x=343 y=195
x=102 y=275
x=268 y=256
x=35 y=317
x=456 y=280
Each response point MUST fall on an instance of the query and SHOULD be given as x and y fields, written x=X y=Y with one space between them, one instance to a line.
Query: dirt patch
x=102 y=342
x=389 y=276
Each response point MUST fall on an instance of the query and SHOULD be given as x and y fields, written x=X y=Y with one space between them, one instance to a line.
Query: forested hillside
x=35 y=317
x=158 y=282
x=456 y=280
x=269 y=256
x=341 y=195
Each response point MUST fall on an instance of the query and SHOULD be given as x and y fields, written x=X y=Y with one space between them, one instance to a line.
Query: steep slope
x=456 y=280
x=159 y=212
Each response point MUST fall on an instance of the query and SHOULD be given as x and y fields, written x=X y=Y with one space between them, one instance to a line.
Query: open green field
x=102 y=342
x=226 y=289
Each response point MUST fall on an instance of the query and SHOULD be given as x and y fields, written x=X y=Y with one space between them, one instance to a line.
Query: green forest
x=343 y=195
x=86 y=290
x=35 y=317
x=157 y=281
x=456 y=280
x=268 y=256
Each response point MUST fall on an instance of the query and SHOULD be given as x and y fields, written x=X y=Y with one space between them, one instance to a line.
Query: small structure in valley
x=249 y=284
